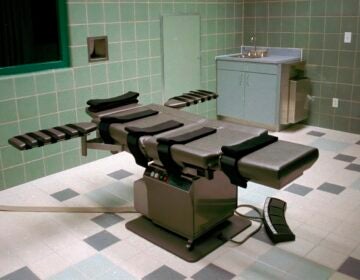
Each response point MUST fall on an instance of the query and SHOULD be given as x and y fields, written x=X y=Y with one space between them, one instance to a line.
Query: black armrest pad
x=155 y=129
x=97 y=105
x=210 y=94
x=248 y=146
x=188 y=137
x=84 y=127
x=129 y=117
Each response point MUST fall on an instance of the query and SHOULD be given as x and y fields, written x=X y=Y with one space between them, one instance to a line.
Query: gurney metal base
x=177 y=245
x=187 y=205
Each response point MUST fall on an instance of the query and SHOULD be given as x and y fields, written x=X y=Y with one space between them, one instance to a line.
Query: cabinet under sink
x=255 y=93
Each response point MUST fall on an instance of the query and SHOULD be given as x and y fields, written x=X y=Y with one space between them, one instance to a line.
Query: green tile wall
x=44 y=99
x=318 y=27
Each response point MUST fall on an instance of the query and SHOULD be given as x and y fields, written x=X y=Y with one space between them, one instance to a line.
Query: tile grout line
x=19 y=129
x=58 y=117
x=39 y=123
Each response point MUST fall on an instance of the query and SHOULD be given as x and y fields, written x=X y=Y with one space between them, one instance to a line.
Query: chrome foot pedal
x=274 y=221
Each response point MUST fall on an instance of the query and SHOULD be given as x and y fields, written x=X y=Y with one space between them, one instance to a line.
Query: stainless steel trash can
x=299 y=93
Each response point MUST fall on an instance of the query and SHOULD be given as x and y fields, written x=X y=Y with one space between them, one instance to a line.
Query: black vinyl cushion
x=155 y=129
x=129 y=117
x=187 y=137
x=97 y=105
x=244 y=148
x=105 y=122
x=278 y=164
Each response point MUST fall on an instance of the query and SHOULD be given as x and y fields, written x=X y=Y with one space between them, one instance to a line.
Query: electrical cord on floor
x=259 y=218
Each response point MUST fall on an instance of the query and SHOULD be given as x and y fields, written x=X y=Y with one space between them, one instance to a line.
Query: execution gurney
x=193 y=165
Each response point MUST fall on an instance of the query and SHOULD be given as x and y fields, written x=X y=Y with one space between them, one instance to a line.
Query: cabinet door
x=230 y=88
x=261 y=98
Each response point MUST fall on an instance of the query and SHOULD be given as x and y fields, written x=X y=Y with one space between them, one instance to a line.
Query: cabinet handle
x=241 y=78
x=247 y=80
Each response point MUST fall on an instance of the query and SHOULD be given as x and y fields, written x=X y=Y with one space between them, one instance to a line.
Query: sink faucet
x=253 y=40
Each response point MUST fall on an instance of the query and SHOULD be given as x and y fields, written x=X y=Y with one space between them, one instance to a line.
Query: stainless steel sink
x=252 y=54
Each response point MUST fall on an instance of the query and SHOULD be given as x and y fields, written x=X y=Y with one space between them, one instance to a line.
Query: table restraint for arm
x=134 y=134
x=232 y=154
x=165 y=144
x=105 y=122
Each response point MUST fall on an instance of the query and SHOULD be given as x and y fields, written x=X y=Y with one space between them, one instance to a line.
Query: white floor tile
x=325 y=222
x=300 y=246
x=310 y=233
x=253 y=248
x=76 y=252
x=339 y=243
x=184 y=267
x=326 y=257
x=139 y=242
x=340 y=276
x=356 y=253
x=233 y=261
x=48 y=266
x=9 y=260
x=348 y=229
x=120 y=252
x=32 y=251
x=141 y=265
x=120 y=231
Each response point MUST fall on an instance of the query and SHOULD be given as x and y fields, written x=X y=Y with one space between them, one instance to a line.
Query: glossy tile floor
x=323 y=211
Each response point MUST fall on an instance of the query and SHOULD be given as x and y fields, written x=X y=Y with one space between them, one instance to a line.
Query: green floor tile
x=260 y=271
x=305 y=269
x=279 y=259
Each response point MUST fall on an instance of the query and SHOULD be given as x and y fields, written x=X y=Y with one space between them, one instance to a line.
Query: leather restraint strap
x=232 y=154
x=97 y=105
x=165 y=144
x=134 y=134
x=105 y=122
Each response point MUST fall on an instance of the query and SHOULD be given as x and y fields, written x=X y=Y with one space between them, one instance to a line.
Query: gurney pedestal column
x=141 y=197
x=197 y=215
x=189 y=205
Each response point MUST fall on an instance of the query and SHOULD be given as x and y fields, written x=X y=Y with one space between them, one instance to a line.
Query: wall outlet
x=347 y=37
x=335 y=103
